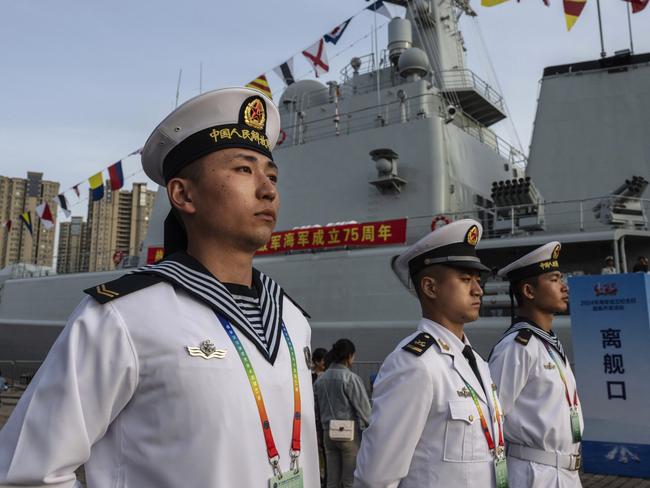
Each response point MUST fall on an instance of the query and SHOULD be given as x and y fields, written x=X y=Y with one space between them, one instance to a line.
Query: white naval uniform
x=422 y=432
x=120 y=393
x=536 y=410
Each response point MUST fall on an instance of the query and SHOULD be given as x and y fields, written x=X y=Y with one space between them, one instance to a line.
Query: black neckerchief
x=184 y=271
x=549 y=337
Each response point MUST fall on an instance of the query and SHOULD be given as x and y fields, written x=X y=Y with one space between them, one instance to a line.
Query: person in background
x=317 y=369
x=609 y=266
x=318 y=363
x=341 y=395
x=641 y=265
x=3 y=386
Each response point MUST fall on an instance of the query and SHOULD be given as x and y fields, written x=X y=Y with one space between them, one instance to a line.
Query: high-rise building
x=117 y=225
x=17 y=243
x=72 y=243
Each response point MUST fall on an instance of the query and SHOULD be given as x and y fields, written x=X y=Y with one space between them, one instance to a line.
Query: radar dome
x=305 y=93
x=413 y=61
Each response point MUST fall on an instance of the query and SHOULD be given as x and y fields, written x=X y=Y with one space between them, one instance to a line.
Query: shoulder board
x=420 y=344
x=296 y=304
x=122 y=286
x=524 y=336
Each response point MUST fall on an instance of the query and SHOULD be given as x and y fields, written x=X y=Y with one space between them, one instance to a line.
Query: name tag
x=288 y=479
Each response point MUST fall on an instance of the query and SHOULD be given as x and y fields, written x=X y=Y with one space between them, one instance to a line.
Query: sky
x=82 y=83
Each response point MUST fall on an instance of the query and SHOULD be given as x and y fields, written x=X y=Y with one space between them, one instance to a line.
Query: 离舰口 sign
x=610 y=330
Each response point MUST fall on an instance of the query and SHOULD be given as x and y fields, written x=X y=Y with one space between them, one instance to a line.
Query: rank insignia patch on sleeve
x=419 y=344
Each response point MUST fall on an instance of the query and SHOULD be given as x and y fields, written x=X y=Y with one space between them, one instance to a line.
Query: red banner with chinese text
x=364 y=234
x=155 y=254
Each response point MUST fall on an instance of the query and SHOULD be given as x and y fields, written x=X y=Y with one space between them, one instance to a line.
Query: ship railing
x=18 y=373
x=459 y=79
x=566 y=216
x=337 y=122
x=367 y=64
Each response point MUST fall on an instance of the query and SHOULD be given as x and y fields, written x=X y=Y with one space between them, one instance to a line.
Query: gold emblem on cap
x=472 y=236
x=556 y=252
x=254 y=114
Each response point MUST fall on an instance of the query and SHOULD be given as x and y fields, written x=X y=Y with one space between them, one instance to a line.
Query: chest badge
x=206 y=350
x=549 y=366
x=463 y=392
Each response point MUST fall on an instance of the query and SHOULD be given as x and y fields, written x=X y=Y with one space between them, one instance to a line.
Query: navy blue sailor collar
x=184 y=271
x=550 y=338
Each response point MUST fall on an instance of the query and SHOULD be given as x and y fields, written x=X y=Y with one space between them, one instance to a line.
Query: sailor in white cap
x=436 y=419
x=537 y=389
x=192 y=371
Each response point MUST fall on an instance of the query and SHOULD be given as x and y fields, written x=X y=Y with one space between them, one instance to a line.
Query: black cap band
x=534 y=269
x=458 y=254
x=213 y=139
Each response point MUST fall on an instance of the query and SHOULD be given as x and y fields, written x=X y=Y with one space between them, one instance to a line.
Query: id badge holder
x=575 y=425
x=501 y=471
x=289 y=479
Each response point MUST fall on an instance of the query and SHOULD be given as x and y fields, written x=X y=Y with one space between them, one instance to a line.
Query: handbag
x=340 y=430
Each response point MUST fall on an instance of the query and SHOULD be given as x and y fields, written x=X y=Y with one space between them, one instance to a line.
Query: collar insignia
x=463 y=392
x=254 y=114
x=206 y=350
x=443 y=344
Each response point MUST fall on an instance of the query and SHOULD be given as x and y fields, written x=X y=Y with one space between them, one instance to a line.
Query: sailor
x=537 y=389
x=436 y=420
x=609 y=267
x=192 y=371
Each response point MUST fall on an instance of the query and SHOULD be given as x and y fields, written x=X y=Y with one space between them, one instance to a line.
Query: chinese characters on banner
x=315 y=238
x=610 y=329
x=155 y=254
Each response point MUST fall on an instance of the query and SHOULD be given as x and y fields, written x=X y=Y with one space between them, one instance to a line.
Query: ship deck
x=10 y=398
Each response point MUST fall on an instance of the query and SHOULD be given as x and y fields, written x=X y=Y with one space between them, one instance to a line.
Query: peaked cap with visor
x=452 y=245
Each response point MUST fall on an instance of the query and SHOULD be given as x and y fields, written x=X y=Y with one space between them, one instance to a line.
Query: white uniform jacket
x=424 y=429
x=120 y=393
x=535 y=408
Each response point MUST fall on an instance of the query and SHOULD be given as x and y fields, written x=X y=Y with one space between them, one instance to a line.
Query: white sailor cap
x=453 y=245
x=218 y=119
x=544 y=259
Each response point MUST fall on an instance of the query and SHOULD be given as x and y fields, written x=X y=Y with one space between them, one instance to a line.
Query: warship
x=406 y=136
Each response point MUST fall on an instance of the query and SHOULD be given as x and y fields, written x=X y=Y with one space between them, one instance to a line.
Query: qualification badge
x=206 y=350
x=463 y=392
